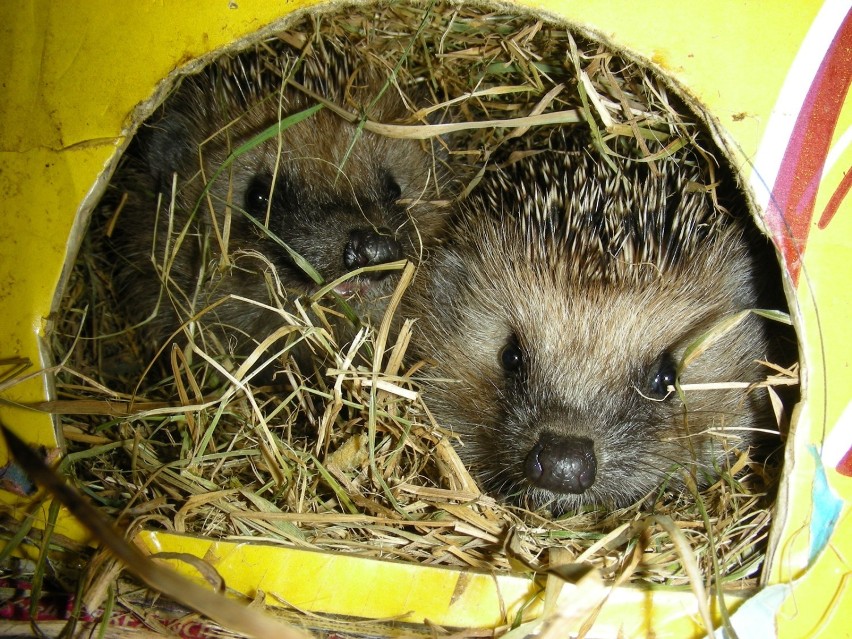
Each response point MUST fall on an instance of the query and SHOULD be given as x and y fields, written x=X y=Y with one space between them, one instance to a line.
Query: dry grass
x=347 y=457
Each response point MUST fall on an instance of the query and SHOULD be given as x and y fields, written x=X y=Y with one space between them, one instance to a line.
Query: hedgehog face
x=556 y=376
x=561 y=394
x=338 y=199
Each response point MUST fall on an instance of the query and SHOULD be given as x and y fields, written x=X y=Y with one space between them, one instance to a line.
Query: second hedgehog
x=558 y=316
x=246 y=203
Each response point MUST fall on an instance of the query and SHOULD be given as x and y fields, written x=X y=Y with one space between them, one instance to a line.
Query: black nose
x=562 y=464
x=368 y=247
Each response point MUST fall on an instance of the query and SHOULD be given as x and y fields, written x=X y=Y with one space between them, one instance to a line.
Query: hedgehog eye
x=511 y=357
x=256 y=200
x=393 y=191
x=664 y=376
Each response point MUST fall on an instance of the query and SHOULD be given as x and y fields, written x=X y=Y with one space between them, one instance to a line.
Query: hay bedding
x=346 y=457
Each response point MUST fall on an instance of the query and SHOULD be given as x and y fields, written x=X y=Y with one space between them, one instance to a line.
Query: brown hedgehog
x=249 y=212
x=558 y=316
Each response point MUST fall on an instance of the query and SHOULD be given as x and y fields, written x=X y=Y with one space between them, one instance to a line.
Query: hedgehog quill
x=559 y=312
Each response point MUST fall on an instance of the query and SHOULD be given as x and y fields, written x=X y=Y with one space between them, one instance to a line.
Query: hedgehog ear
x=165 y=145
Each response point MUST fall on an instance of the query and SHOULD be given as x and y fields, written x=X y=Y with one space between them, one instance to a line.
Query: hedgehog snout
x=561 y=464
x=369 y=247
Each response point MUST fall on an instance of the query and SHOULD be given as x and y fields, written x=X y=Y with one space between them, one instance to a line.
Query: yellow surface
x=73 y=74
x=338 y=584
x=821 y=600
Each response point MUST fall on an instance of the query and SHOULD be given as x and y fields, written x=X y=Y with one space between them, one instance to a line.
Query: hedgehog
x=558 y=315
x=222 y=227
